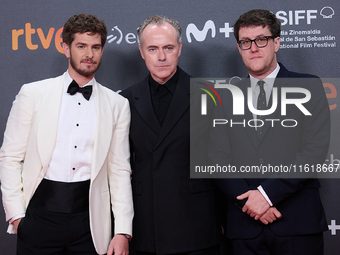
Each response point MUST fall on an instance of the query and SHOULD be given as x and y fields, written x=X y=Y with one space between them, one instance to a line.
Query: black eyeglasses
x=260 y=42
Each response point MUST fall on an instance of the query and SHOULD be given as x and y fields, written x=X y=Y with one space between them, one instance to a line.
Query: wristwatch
x=128 y=237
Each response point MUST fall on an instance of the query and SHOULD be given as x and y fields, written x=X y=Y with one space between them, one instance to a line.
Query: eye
x=261 y=39
x=245 y=42
x=152 y=50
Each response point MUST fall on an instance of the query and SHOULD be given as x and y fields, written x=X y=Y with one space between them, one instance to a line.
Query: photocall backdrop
x=31 y=50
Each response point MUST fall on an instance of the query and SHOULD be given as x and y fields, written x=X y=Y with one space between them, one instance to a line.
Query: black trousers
x=215 y=250
x=56 y=222
x=46 y=233
x=267 y=243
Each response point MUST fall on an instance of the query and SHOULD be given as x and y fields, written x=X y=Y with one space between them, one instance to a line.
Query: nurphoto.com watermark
x=229 y=107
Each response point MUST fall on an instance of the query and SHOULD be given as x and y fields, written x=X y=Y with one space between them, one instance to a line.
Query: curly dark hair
x=84 y=23
x=256 y=18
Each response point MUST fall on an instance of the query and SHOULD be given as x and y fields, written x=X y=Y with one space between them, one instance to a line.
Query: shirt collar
x=268 y=80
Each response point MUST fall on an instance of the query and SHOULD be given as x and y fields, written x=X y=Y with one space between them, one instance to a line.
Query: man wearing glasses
x=280 y=214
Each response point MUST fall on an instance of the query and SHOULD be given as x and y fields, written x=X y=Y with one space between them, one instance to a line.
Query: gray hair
x=159 y=20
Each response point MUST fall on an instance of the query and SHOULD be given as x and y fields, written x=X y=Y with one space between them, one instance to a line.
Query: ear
x=277 y=44
x=180 y=49
x=239 y=49
x=66 y=49
x=141 y=51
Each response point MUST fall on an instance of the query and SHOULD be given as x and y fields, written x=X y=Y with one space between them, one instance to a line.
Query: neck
x=263 y=75
x=163 y=81
x=79 y=78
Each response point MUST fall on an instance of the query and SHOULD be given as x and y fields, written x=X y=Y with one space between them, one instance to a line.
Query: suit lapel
x=144 y=106
x=179 y=105
x=48 y=120
x=103 y=134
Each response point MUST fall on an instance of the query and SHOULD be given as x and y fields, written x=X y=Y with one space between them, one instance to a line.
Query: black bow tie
x=74 y=88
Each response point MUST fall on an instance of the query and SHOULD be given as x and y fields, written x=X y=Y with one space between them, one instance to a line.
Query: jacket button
x=261 y=160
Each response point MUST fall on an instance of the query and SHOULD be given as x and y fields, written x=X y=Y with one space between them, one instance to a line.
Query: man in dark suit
x=278 y=214
x=173 y=214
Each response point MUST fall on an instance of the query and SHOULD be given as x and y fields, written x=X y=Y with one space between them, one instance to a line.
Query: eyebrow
x=95 y=45
x=154 y=46
x=247 y=38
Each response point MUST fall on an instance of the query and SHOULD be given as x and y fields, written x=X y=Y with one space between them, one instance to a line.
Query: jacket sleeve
x=12 y=154
x=119 y=172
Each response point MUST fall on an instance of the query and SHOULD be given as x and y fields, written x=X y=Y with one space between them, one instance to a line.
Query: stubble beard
x=84 y=71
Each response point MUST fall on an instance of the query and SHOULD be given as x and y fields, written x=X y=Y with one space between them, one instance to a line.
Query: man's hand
x=16 y=224
x=119 y=245
x=256 y=204
x=270 y=216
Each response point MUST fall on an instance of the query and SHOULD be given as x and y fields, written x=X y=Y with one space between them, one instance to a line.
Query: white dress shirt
x=268 y=87
x=72 y=156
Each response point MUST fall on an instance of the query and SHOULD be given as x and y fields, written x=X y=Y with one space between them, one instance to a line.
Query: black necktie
x=74 y=88
x=261 y=105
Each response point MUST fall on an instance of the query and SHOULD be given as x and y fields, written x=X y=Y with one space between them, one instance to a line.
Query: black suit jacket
x=296 y=198
x=173 y=213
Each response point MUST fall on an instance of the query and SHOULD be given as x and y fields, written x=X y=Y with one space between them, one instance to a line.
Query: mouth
x=88 y=62
x=162 y=66
x=256 y=57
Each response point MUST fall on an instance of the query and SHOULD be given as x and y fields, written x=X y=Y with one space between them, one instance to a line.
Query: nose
x=161 y=55
x=89 y=52
x=254 y=47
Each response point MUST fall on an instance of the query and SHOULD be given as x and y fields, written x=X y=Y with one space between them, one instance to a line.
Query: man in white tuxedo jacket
x=64 y=161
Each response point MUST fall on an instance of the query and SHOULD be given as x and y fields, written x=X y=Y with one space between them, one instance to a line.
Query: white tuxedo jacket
x=29 y=142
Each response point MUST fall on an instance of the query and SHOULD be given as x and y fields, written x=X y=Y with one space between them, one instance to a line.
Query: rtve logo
x=45 y=38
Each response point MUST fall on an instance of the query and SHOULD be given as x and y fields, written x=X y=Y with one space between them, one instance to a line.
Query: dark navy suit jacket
x=296 y=198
